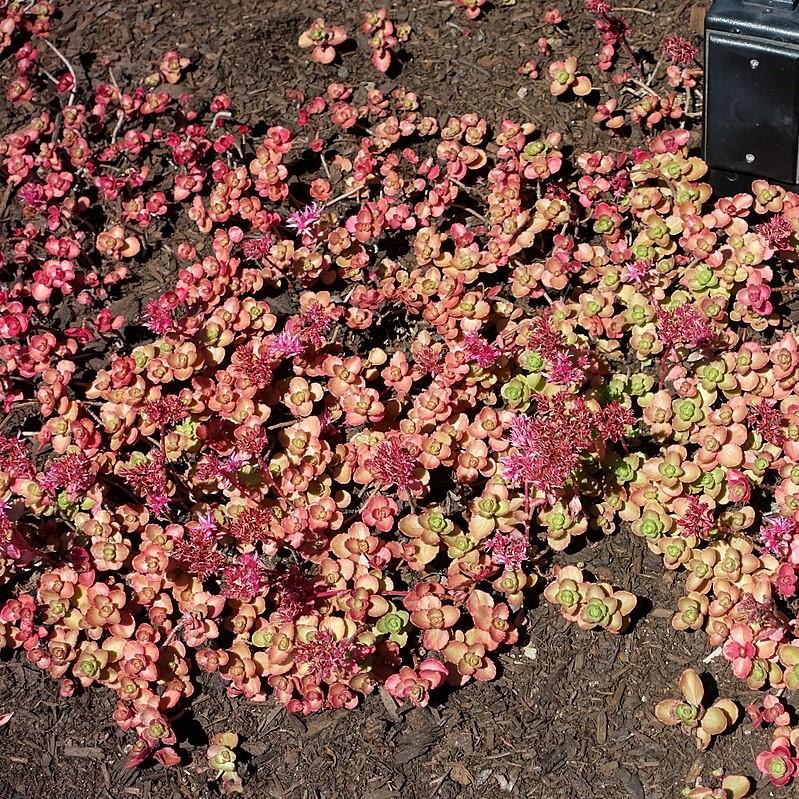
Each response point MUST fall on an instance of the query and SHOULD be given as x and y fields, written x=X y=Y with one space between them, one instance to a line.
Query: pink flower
x=567 y=369
x=206 y=524
x=159 y=317
x=313 y=322
x=508 y=550
x=697 y=518
x=165 y=411
x=198 y=553
x=477 y=349
x=148 y=478
x=679 y=51
x=548 y=447
x=778 y=534
x=637 y=272
x=15 y=460
x=684 y=324
x=777 y=232
x=74 y=473
x=329 y=658
x=303 y=220
x=767 y=420
x=244 y=579
x=393 y=464
x=255 y=249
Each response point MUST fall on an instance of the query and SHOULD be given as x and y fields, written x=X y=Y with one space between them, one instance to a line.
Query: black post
x=751 y=113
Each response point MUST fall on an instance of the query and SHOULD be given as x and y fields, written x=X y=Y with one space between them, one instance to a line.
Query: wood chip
x=697 y=18
x=661 y=613
x=389 y=704
x=694 y=771
x=460 y=774
x=601 y=728
x=615 y=699
x=87 y=752
x=632 y=782
x=270 y=717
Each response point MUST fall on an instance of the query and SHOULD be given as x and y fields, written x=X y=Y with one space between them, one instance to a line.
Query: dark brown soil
x=570 y=716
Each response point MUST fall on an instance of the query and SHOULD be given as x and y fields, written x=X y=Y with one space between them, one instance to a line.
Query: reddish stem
x=663 y=365
x=629 y=50
x=626 y=47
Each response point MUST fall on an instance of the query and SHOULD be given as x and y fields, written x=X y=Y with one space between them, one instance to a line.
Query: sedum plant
x=704 y=723
x=394 y=384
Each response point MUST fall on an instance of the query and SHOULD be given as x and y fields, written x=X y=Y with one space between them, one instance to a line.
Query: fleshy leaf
x=691 y=687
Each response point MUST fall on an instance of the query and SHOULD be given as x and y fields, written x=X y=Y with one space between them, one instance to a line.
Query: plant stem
x=68 y=66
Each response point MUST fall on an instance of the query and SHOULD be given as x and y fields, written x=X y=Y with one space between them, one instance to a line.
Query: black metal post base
x=751 y=114
x=727 y=183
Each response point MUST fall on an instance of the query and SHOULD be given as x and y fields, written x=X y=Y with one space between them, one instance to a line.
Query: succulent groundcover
x=401 y=367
